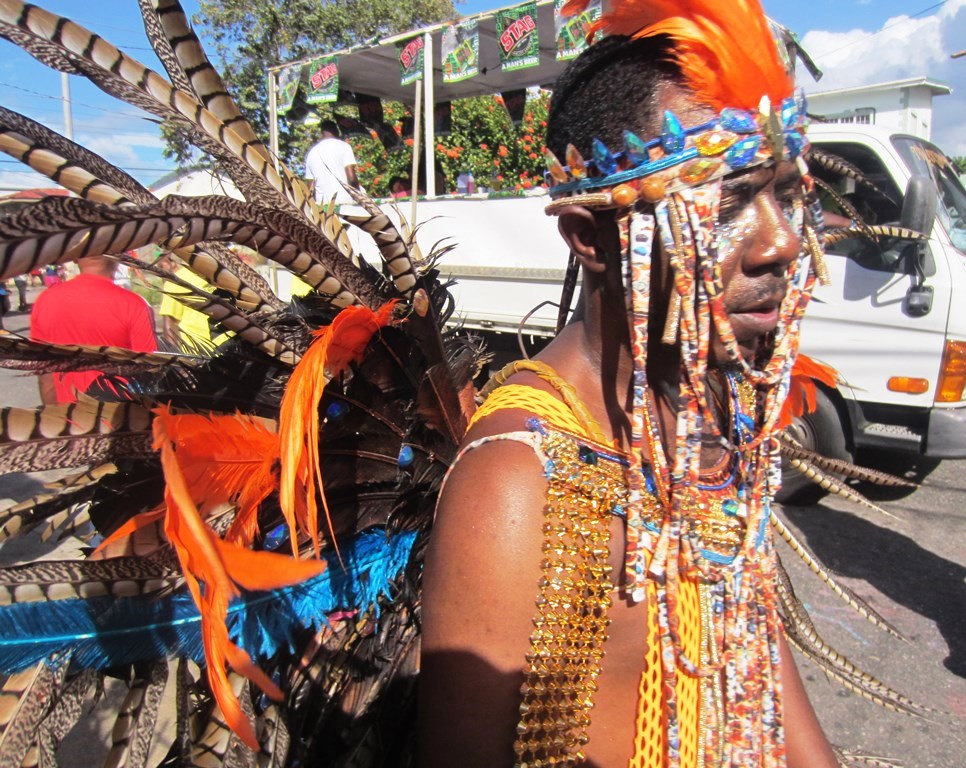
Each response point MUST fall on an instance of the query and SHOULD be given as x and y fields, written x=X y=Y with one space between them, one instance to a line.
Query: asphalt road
x=910 y=567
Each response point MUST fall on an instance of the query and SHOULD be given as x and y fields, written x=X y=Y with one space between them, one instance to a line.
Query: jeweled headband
x=681 y=157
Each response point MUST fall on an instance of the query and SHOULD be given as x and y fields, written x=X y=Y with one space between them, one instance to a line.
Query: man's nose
x=774 y=243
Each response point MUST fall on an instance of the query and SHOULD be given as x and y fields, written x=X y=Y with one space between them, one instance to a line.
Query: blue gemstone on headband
x=738 y=121
x=789 y=113
x=729 y=507
x=795 y=143
x=275 y=537
x=742 y=152
x=635 y=149
x=672 y=137
x=336 y=410
x=603 y=159
x=406 y=456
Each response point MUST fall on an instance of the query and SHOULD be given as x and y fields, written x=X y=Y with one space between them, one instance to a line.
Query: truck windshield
x=925 y=159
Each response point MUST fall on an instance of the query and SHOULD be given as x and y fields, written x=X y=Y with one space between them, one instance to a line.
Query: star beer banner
x=323 y=80
x=411 y=61
x=572 y=30
x=288 y=86
x=516 y=29
x=461 y=52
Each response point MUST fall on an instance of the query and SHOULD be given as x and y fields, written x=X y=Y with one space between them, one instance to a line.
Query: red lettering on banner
x=408 y=54
x=324 y=75
x=516 y=31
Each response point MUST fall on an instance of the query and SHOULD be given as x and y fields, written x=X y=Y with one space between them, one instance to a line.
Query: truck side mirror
x=919 y=214
x=919 y=205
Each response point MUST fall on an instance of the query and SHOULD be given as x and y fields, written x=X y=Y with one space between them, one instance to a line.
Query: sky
x=855 y=42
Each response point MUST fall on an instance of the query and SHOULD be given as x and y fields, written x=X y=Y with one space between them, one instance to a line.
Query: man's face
x=756 y=244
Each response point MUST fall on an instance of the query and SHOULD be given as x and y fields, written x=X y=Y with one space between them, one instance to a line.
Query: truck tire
x=820 y=432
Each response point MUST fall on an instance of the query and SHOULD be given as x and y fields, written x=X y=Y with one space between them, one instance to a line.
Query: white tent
x=374 y=70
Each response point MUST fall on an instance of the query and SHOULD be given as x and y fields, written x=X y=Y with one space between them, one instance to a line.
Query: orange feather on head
x=725 y=50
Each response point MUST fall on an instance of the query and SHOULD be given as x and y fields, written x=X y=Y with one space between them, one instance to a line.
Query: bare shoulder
x=479 y=592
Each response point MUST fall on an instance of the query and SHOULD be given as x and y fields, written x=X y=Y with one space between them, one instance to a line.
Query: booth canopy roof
x=374 y=70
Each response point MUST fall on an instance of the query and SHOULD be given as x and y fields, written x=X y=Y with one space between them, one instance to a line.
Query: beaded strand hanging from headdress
x=669 y=189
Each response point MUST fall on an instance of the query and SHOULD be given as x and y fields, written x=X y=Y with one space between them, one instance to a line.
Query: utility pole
x=65 y=96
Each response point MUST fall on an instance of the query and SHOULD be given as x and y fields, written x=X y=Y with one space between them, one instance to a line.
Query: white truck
x=888 y=323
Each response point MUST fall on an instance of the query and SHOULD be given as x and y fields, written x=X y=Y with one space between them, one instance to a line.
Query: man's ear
x=578 y=227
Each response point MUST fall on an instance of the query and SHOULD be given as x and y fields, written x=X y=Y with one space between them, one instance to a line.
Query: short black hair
x=610 y=87
x=330 y=126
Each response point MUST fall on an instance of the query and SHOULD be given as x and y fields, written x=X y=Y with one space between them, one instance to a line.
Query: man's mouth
x=754 y=322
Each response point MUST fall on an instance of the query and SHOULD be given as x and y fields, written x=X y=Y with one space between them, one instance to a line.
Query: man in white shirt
x=330 y=165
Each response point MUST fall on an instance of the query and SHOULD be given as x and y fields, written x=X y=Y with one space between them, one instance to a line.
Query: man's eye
x=732 y=202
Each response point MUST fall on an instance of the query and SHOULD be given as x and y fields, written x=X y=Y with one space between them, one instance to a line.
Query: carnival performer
x=600 y=585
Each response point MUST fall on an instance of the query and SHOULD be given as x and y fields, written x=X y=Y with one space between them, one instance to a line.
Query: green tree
x=483 y=140
x=249 y=36
x=960 y=163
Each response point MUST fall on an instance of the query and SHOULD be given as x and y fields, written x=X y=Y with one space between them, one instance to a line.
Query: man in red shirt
x=90 y=309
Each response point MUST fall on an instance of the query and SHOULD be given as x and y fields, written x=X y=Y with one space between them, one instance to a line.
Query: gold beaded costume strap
x=570 y=625
x=585 y=484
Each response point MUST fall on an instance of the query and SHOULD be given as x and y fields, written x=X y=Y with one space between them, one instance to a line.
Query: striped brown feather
x=24 y=517
x=72 y=166
x=793 y=450
x=842 y=167
x=215 y=741
x=832 y=484
x=844 y=204
x=24 y=701
x=75 y=521
x=188 y=66
x=217 y=264
x=46 y=580
x=392 y=247
x=833 y=236
x=802 y=634
x=851 y=599
x=250 y=327
x=44 y=357
x=58 y=230
x=69 y=47
x=66 y=711
x=86 y=477
x=134 y=727
x=72 y=435
x=274 y=738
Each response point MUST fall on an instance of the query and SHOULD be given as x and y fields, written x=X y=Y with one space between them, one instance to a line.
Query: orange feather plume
x=801 y=388
x=215 y=571
x=334 y=348
x=725 y=50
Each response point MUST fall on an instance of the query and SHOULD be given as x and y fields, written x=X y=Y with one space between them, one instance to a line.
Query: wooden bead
x=653 y=189
x=624 y=195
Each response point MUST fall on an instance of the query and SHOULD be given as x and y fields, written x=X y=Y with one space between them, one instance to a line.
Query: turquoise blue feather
x=104 y=632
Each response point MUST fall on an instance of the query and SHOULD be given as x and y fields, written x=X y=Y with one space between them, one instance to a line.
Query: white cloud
x=902 y=47
x=121 y=148
x=22 y=179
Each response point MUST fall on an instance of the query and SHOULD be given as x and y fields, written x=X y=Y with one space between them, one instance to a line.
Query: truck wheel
x=820 y=432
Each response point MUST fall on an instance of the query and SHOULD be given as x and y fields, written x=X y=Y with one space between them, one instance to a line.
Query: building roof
x=938 y=88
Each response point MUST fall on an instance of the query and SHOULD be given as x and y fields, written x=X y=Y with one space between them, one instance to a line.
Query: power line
x=75 y=103
x=158 y=170
x=880 y=31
